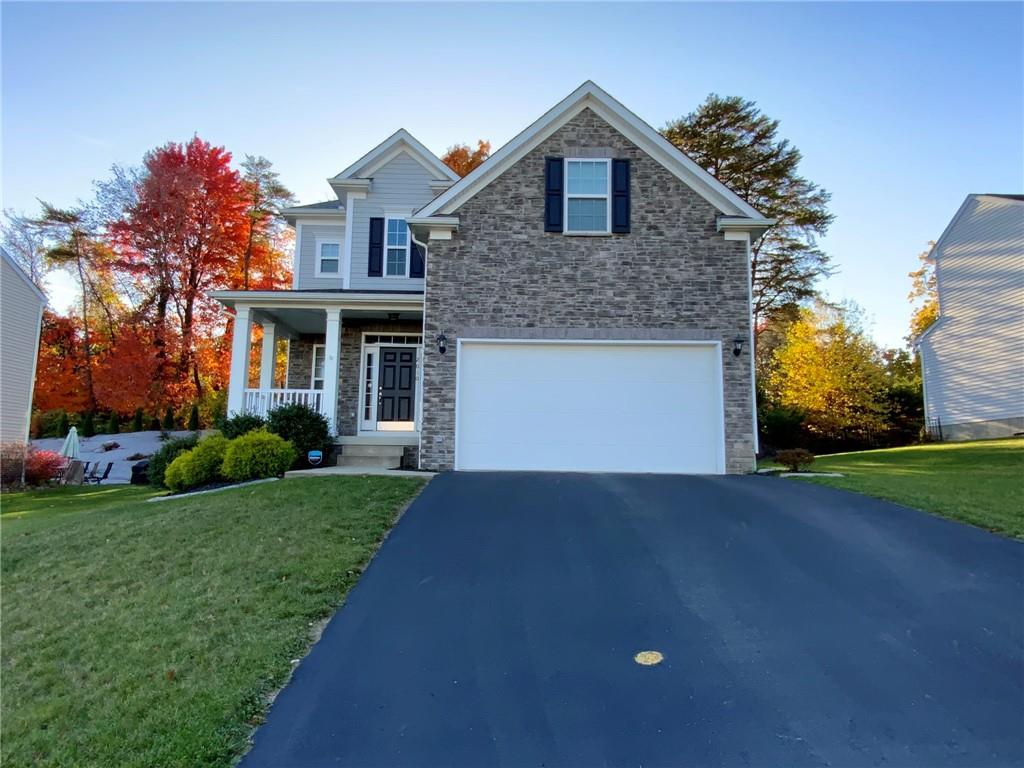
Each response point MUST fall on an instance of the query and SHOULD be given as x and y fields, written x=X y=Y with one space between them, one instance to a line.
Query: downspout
x=419 y=405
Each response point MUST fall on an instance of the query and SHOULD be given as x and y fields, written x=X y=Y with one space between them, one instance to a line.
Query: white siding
x=20 y=308
x=973 y=359
x=399 y=187
x=307 y=256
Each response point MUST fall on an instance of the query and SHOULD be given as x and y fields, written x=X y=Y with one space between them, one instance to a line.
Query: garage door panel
x=589 y=407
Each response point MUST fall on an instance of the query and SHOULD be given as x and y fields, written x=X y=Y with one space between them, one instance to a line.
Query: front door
x=396 y=388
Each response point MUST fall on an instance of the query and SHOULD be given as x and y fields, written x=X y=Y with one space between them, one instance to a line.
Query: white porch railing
x=261 y=401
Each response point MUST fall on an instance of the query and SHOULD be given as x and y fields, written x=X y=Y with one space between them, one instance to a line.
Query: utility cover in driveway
x=799 y=626
x=589 y=407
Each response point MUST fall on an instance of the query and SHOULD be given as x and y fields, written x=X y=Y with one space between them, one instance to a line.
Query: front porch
x=359 y=365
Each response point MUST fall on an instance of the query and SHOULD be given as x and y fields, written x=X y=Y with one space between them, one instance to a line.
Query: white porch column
x=241 y=339
x=268 y=356
x=332 y=355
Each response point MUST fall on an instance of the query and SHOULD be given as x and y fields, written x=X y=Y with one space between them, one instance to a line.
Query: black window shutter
x=375 y=263
x=554 y=186
x=620 y=196
x=416 y=259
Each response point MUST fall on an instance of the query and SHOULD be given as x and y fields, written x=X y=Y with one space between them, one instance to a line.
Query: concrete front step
x=372 y=450
x=387 y=462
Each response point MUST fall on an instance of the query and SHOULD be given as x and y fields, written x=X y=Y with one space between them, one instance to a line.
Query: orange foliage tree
x=461 y=159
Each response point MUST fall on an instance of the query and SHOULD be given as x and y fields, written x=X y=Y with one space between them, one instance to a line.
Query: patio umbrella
x=70 y=447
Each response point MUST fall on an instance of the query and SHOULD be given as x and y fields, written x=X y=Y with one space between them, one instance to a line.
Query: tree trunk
x=85 y=325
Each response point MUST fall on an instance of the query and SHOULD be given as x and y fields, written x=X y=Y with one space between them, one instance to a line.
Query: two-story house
x=579 y=302
x=972 y=357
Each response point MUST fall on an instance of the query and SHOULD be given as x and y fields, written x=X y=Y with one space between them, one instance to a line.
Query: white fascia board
x=316 y=299
x=740 y=225
x=401 y=136
x=589 y=95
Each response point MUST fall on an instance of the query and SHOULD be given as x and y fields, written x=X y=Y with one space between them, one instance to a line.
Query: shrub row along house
x=580 y=301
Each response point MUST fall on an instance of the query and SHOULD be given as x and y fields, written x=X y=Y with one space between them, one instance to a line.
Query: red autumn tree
x=60 y=370
x=461 y=159
x=185 y=234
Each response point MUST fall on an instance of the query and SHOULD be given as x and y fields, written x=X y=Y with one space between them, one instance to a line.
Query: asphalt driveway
x=799 y=625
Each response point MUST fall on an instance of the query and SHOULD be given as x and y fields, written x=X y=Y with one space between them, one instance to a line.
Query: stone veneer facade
x=501 y=275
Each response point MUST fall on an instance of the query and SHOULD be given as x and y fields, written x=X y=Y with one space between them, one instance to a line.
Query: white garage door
x=589 y=407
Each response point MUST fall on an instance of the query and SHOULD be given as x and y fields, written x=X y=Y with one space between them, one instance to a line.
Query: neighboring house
x=580 y=301
x=21 y=315
x=972 y=357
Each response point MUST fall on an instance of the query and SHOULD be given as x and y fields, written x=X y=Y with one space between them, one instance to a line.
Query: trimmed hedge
x=256 y=455
x=303 y=427
x=240 y=425
x=200 y=466
x=168 y=452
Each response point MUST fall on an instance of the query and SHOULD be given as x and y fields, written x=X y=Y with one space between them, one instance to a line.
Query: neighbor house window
x=318 y=367
x=396 y=260
x=587 y=196
x=328 y=257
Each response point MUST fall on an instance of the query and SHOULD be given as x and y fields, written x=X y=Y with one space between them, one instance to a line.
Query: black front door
x=396 y=387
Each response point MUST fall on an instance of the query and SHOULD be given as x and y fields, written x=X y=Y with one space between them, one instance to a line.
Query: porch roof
x=300 y=312
x=340 y=298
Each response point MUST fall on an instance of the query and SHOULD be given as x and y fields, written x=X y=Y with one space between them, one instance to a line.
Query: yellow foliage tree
x=828 y=369
x=923 y=295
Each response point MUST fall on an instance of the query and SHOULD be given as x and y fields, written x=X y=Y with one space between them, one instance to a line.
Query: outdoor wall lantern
x=737 y=346
x=442 y=343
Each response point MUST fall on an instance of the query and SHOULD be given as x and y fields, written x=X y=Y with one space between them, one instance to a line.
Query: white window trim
x=312 y=366
x=320 y=241
x=607 y=196
x=408 y=243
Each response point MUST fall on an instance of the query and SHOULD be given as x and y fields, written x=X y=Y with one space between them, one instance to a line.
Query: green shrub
x=168 y=419
x=795 y=459
x=168 y=452
x=241 y=424
x=304 y=427
x=200 y=466
x=154 y=424
x=257 y=454
x=113 y=423
x=137 y=420
x=88 y=424
x=193 y=418
x=63 y=425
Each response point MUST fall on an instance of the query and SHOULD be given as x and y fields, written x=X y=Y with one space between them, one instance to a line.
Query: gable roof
x=590 y=96
x=21 y=273
x=400 y=140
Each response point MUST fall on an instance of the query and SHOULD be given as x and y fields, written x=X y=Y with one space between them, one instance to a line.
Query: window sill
x=586 y=234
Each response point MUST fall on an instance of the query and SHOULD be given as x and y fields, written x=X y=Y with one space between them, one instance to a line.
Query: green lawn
x=981 y=483
x=138 y=634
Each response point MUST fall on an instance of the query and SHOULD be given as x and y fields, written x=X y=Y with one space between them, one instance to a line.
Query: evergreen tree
x=113 y=423
x=63 y=426
x=88 y=424
x=737 y=144
x=137 y=420
x=193 y=418
x=168 y=419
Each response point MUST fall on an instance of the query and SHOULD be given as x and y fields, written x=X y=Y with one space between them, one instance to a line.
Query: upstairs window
x=396 y=257
x=328 y=257
x=587 y=196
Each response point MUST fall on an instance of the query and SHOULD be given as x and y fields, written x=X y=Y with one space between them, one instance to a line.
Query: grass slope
x=140 y=634
x=981 y=482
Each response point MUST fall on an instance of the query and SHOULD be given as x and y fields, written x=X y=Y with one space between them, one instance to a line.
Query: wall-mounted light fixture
x=442 y=343
x=737 y=346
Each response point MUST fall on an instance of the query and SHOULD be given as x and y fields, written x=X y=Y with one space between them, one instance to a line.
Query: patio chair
x=97 y=479
x=90 y=475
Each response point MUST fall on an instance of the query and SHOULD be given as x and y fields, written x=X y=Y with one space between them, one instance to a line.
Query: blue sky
x=900 y=110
